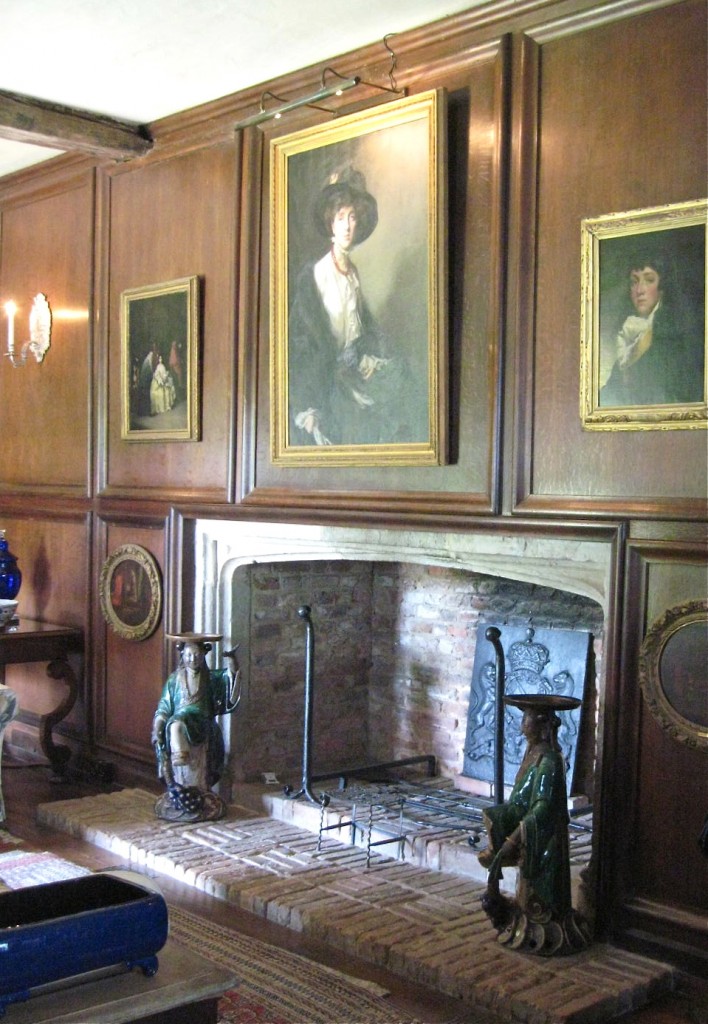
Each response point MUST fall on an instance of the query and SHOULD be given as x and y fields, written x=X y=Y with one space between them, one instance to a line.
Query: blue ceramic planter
x=63 y=930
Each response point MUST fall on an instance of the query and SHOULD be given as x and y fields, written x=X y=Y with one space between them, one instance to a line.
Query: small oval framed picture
x=672 y=672
x=130 y=589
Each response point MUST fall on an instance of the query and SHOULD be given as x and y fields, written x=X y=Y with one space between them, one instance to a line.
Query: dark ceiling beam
x=40 y=123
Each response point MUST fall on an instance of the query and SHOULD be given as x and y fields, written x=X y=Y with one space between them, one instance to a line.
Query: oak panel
x=171 y=219
x=615 y=133
x=476 y=137
x=46 y=245
x=128 y=674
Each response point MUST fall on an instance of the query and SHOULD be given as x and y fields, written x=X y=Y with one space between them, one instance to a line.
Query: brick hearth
x=421 y=924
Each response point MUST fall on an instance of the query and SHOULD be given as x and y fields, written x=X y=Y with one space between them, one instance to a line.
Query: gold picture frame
x=644 y=368
x=359 y=377
x=160 y=362
x=672 y=672
x=130 y=589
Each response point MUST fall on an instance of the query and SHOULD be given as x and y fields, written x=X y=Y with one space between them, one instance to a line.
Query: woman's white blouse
x=340 y=297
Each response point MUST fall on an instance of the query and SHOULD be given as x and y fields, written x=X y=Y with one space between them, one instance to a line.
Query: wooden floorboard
x=25 y=787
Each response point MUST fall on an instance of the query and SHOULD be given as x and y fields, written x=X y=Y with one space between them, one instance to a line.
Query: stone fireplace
x=395 y=616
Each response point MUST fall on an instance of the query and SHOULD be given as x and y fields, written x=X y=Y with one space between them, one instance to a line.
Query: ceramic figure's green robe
x=537 y=806
x=197 y=711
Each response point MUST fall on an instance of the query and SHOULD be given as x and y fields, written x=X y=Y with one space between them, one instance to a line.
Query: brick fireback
x=394 y=653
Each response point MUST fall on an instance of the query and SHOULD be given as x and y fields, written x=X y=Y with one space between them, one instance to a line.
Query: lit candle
x=10 y=309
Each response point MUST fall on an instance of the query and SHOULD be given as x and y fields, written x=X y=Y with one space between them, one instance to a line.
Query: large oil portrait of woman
x=644 y=319
x=358 y=328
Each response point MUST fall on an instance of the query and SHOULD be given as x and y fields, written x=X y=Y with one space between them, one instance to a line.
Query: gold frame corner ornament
x=662 y=632
x=148 y=605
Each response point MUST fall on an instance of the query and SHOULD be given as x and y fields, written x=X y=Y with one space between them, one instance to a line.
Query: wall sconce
x=40 y=329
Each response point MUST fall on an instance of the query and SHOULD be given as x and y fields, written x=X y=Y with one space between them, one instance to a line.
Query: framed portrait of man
x=643 y=306
x=358 y=311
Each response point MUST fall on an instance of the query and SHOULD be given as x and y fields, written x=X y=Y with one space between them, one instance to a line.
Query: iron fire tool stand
x=307 y=777
x=493 y=635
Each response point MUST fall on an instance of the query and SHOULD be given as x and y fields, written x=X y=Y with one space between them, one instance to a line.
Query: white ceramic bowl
x=8 y=610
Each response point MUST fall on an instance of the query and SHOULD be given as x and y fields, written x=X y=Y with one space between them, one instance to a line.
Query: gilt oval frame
x=664 y=630
x=133 y=617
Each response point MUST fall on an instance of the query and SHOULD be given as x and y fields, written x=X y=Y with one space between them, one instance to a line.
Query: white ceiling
x=141 y=60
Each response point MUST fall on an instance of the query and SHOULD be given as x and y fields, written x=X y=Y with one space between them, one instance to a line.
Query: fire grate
x=405 y=813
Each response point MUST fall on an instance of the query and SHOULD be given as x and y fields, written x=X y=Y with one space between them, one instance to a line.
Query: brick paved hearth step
x=424 y=925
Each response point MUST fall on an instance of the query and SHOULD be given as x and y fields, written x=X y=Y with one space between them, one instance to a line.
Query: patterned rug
x=279 y=987
x=276 y=986
x=20 y=868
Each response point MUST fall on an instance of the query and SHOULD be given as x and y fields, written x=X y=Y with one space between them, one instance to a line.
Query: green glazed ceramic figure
x=187 y=740
x=530 y=831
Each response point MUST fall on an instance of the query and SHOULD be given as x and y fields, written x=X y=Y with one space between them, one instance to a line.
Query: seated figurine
x=530 y=831
x=188 y=741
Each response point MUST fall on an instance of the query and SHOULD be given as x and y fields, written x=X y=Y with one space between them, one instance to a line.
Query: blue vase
x=10 y=575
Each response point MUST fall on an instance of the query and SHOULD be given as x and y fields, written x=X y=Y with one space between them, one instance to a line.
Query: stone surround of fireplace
x=395 y=614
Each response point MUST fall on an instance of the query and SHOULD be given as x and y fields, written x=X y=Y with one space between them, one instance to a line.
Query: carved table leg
x=58 y=754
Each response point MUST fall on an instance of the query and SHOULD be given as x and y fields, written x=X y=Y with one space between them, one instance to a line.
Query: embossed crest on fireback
x=558 y=666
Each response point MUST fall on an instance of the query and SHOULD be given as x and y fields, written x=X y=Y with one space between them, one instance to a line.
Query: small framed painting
x=643 y=316
x=160 y=368
x=358 y=289
x=130 y=589
x=672 y=672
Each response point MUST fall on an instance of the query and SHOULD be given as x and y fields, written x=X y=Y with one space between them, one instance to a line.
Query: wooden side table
x=25 y=640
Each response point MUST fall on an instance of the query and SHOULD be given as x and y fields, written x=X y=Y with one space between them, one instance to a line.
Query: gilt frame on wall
x=644 y=346
x=160 y=362
x=672 y=664
x=130 y=591
x=359 y=347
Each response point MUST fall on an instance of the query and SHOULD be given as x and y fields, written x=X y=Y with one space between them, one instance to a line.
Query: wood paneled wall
x=46 y=245
x=174 y=218
x=557 y=110
x=612 y=136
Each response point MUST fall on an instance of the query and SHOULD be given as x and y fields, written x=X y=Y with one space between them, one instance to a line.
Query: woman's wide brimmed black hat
x=346 y=187
x=541 y=702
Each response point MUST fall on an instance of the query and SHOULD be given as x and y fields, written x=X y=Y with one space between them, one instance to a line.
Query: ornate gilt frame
x=600 y=238
x=374 y=140
x=157 y=315
x=664 y=632
x=130 y=590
